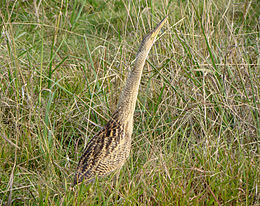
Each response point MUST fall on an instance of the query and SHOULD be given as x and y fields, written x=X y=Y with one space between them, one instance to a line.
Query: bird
x=109 y=149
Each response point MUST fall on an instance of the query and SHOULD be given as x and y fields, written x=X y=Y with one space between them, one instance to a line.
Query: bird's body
x=105 y=152
x=108 y=150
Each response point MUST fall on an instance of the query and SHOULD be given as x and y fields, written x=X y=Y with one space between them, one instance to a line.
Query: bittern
x=108 y=150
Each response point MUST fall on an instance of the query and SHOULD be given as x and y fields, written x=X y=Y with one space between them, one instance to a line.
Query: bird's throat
x=127 y=101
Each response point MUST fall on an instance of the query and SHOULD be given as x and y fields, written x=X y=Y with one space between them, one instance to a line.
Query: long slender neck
x=127 y=101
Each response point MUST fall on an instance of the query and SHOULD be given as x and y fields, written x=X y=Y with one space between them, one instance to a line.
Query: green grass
x=197 y=125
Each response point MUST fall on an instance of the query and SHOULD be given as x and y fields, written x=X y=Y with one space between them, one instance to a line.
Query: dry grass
x=196 y=134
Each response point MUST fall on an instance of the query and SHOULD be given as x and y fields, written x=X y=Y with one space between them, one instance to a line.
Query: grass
x=197 y=127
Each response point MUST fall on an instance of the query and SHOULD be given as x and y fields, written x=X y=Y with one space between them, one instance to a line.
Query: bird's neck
x=128 y=97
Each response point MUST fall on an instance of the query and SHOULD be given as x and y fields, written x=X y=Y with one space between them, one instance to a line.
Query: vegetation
x=197 y=125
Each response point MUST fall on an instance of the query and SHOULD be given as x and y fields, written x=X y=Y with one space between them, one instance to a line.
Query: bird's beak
x=157 y=29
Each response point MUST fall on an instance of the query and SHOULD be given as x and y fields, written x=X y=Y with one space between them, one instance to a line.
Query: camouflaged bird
x=108 y=150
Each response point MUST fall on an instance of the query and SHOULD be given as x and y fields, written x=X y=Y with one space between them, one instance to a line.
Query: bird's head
x=149 y=39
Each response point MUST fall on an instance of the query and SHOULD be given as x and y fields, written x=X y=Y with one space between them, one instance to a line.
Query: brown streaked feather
x=95 y=159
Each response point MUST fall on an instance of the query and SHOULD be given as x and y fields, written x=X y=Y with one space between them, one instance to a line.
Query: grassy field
x=197 y=124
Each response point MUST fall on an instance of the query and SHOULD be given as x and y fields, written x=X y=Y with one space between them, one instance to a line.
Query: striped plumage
x=105 y=152
x=108 y=150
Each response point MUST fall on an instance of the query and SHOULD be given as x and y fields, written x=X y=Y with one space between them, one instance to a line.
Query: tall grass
x=196 y=132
